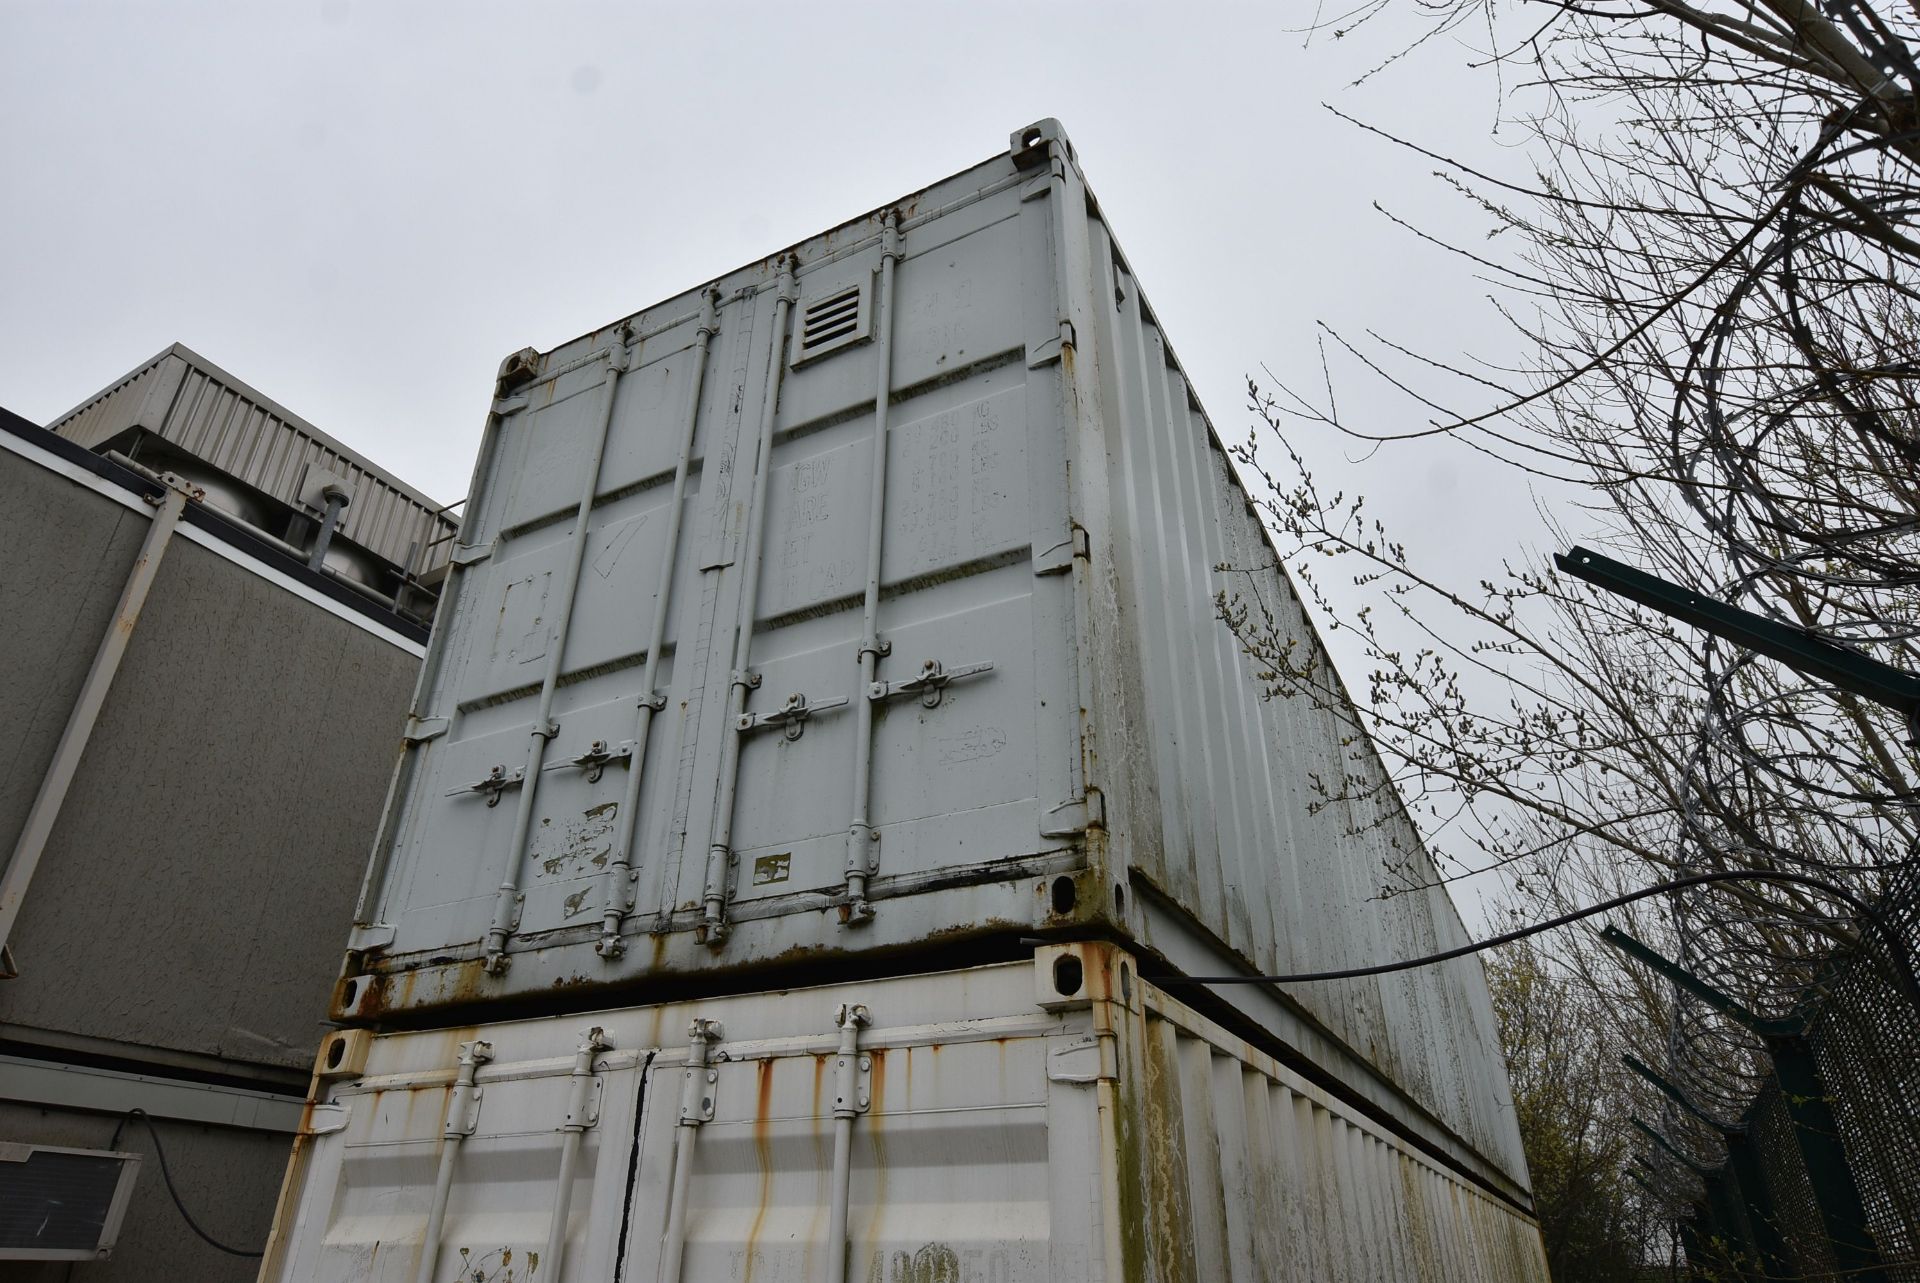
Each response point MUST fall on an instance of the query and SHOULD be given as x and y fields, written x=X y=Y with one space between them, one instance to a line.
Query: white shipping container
x=861 y=603
x=1049 y=1120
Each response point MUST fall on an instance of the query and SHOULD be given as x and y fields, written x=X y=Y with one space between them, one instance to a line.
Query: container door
x=458 y=812
x=974 y=718
x=962 y=1166
x=368 y=1173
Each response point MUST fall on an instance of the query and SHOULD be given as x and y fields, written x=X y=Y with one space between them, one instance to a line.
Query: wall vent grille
x=840 y=317
x=60 y=1204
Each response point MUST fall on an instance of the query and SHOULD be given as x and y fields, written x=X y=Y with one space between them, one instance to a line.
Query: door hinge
x=1086 y=1058
x=467 y=554
x=1075 y=816
x=1059 y=559
x=1049 y=349
x=421 y=729
x=371 y=937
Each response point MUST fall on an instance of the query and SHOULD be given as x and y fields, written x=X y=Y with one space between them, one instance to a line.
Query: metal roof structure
x=203 y=411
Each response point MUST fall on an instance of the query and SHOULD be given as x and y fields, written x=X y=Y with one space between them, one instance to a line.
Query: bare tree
x=1713 y=269
x=1562 y=1038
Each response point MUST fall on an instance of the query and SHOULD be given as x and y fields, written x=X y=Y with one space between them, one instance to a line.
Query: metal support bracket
x=852 y=1069
x=1789 y=644
x=463 y=1111
x=792 y=716
x=497 y=781
x=1049 y=349
x=1059 y=559
x=1086 y=1058
x=1672 y=1091
x=583 y=1101
x=929 y=685
x=1723 y=1003
x=699 y=1079
x=1673 y=1152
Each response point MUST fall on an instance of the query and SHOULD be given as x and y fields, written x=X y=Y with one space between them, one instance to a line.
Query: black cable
x=166 y=1178
x=1896 y=950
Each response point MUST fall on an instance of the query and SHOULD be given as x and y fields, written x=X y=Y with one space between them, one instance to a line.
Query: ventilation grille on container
x=840 y=317
x=62 y=1204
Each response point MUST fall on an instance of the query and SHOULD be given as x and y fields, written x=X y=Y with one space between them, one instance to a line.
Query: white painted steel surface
x=1001 y=1131
x=1051 y=694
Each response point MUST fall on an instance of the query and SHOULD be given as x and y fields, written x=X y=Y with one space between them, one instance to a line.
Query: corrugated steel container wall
x=1008 y=1132
x=194 y=404
x=1055 y=505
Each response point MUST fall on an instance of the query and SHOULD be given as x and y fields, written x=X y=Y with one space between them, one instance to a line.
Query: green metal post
x=1795 y=647
x=1843 y=1215
x=1728 y=1237
x=1756 y=1196
x=1723 y=1003
x=1762 y=1218
x=1690 y=1242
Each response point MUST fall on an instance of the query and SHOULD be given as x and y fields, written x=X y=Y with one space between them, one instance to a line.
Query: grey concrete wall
x=228 y=1179
x=200 y=881
x=64 y=553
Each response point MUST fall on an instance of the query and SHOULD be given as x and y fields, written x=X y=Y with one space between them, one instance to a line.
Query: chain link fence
x=1828 y=1185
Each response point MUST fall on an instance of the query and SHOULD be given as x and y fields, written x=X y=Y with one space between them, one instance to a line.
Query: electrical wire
x=1896 y=951
x=166 y=1178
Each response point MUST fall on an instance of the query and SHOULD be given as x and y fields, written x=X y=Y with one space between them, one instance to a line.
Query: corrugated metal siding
x=1054 y=508
x=192 y=403
x=1271 y=1178
x=1007 y=1139
x=1226 y=772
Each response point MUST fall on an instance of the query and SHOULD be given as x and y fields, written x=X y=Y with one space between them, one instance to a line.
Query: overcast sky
x=359 y=208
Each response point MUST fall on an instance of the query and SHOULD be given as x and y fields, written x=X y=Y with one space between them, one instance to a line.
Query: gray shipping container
x=1057 y=1119
x=860 y=603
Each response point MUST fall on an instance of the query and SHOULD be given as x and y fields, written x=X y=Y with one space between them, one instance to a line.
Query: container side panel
x=1255 y=1174
x=1240 y=833
x=1176 y=841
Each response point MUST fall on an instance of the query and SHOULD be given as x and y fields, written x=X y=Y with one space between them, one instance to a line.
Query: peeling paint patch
x=562 y=848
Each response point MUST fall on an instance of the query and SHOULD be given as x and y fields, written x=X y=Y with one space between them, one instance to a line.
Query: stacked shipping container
x=856 y=610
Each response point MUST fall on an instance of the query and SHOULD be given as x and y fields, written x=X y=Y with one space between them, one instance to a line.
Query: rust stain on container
x=763 y=1149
